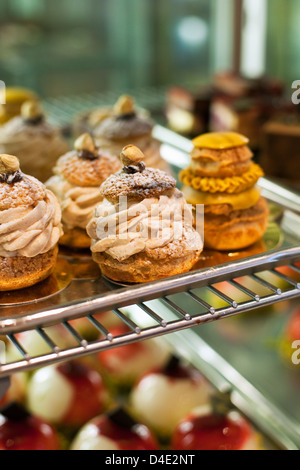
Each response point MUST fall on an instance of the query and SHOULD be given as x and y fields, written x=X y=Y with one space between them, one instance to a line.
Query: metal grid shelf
x=63 y=109
x=166 y=306
x=169 y=314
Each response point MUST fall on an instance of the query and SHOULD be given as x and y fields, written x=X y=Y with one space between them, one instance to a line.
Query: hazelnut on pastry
x=78 y=175
x=127 y=125
x=152 y=235
x=30 y=226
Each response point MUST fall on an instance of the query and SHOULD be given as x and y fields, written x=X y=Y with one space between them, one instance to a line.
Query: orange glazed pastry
x=152 y=235
x=223 y=177
x=78 y=175
x=29 y=227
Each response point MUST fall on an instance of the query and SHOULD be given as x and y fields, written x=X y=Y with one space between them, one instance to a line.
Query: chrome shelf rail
x=149 y=319
x=161 y=307
x=119 y=296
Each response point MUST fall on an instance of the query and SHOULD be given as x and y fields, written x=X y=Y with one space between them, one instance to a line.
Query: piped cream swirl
x=125 y=229
x=77 y=202
x=30 y=230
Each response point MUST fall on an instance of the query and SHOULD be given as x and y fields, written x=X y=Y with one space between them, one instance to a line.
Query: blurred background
x=67 y=46
x=197 y=65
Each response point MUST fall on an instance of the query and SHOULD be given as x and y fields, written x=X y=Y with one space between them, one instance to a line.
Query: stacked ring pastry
x=30 y=227
x=222 y=176
x=143 y=230
x=78 y=175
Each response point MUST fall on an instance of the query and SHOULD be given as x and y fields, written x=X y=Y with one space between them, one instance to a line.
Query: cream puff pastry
x=142 y=231
x=124 y=126
x=78 y=175
x=30 y=227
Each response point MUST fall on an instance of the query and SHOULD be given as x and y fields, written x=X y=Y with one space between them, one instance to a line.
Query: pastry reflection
x=211 y=258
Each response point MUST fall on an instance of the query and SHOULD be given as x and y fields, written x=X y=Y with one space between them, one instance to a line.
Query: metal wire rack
x=63 y=109
x=155 y=309
x=150 y=319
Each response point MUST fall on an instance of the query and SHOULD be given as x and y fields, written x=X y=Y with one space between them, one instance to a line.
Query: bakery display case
x=220 y=287
x=187 y=343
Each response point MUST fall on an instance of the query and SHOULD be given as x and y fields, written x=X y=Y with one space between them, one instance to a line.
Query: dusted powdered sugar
x=147 y=184
x=25 y=192
x=84 y=172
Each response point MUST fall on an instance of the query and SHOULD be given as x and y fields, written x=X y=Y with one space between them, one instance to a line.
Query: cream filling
x=30 y=230
x=77 y=202
x=212 y=166
x=126 y=229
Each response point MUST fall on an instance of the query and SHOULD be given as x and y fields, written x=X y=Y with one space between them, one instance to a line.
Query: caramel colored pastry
x=37 y=143
x=143 y=230
x=78 y=175
x=29 y=227
x=14 y=97
x=127 y=126
x=223 y=178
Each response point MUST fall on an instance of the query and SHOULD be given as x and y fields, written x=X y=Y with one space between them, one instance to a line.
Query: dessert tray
x=77 y=289
x=220 y=286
